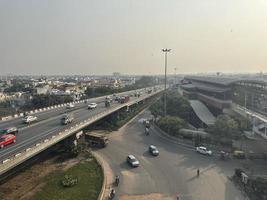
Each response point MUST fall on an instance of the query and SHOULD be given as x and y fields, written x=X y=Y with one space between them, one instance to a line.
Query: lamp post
x=175 y=78
x=165 y=51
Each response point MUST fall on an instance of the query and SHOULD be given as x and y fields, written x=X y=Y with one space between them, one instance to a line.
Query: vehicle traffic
x=132 y=161
x=66 y=119
x=96 y=139
x=153 y=150
x=92 y=106
x=70 y=105
x=9 y=130
x=203 y=150
x=7 y=139
x=29 y=119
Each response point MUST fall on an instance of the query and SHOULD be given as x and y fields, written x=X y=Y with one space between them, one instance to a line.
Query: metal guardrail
x=20 y=157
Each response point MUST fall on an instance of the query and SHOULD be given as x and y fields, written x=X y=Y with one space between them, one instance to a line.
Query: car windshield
x=133 y=159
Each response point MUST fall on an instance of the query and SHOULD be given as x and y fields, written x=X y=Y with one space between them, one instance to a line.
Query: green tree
x=171 y=124
x=40 y=101
x=176 y=106
x=225 y=126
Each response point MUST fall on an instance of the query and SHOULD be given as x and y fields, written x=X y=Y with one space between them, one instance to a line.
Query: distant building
x=42 y=89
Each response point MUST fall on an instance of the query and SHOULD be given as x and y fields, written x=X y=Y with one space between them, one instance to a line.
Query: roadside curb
x=104 y=184
x=172 y=139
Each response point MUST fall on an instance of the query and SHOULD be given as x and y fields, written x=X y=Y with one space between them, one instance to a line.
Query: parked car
x=7 y=139
x=92 y=105
x=29 y=119
x=70 y=105
x=133 y=162
x=204 y=150
x=153 y=150
x=9 y=130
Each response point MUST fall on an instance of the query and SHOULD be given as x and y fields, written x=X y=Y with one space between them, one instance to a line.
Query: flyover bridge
x=33 y=139
x=202 y=112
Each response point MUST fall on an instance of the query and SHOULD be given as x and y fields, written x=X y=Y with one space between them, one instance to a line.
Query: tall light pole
x=165 y=82
x=175 y=81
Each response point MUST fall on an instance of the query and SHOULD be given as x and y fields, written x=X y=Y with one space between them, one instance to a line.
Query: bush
x=69 y=181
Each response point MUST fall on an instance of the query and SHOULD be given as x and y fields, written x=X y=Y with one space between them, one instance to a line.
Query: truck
x=66 y=119
x=124 y=99
x=96 y=139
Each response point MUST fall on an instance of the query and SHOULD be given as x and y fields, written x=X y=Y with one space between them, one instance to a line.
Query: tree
x=176 y=106
x=171 y=124
x=225 y=126
x=40 y=101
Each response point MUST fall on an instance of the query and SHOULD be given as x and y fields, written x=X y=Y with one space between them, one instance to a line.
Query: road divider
x=48 y=142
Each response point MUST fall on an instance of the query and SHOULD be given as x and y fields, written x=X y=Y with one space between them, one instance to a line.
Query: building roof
x=202 y=112
x=226 y=81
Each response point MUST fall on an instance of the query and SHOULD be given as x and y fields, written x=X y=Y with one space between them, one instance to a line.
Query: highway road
x=49 y=124
x=170 y=174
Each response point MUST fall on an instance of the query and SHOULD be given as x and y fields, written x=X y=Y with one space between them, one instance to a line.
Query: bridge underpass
x=35 y=139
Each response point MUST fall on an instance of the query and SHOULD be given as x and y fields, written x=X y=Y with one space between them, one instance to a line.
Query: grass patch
x=90 y=178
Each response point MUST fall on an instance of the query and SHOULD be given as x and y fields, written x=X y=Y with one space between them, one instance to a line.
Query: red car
x=7 y=139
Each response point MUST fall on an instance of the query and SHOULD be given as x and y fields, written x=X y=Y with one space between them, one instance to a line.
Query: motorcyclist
x=117 y=180
x=112 y=193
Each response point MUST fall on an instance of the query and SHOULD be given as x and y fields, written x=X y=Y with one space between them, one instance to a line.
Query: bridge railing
x=20 y=157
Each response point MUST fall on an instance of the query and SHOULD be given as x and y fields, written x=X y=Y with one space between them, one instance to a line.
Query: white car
x=70 y=105
x=153 y=150
x=92 y=105
x=29 y=119
x=132 y=161
x=203 y=150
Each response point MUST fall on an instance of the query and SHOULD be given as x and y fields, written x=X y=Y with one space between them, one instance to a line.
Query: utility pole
x=175 y=78
x=165 y=82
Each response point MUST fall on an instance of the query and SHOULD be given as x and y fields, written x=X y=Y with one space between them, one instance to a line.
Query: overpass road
x=49 y=124
x=172 y=173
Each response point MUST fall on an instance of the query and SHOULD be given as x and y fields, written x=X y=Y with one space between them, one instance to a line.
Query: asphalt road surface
x=173 y=173
x=49 y=124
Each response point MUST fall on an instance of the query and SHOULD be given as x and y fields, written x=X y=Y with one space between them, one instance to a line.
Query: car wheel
x=2 y=146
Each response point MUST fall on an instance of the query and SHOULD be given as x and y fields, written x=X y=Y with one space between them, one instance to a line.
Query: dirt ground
x=27 y=183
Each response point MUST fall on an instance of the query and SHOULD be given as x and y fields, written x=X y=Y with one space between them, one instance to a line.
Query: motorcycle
x=111 y=194
x=147 y=131
x=117 y=180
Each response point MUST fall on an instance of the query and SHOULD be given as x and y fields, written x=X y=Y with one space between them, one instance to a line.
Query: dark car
x=9 y=130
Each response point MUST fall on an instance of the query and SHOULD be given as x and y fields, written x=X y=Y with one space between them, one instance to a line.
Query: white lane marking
x=24 y=142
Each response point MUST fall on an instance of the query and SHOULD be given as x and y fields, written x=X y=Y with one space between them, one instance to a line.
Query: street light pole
x=175 y=81
x=165 y=82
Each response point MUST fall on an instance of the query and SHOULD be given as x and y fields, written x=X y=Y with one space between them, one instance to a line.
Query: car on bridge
x=67 y=119
x=7 y=139
x=92 y=106
x=70 y=105
x=9 y=130
x=203 y=150
x=29 y=119
x=133 y=162
x=153 y=150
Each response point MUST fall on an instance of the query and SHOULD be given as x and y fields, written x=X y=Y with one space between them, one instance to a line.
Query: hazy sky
x=104 y=36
